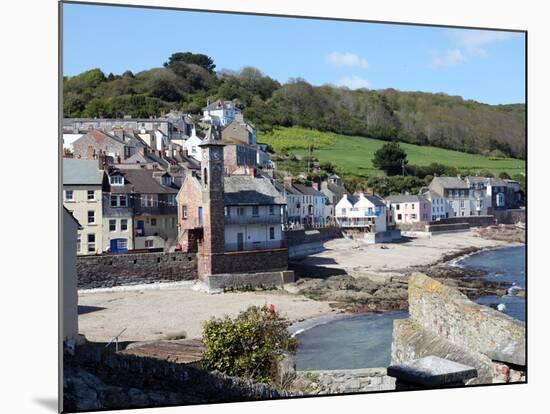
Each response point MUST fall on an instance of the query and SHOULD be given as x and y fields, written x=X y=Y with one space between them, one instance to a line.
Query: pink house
x=410 y=208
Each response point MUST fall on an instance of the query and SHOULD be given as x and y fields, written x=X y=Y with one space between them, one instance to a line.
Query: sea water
x=506 y=265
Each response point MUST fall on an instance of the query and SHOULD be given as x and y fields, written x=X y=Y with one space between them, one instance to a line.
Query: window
x=148 y=244
x=413 y=216
x=91 y=195
x=167 y=180
x=461 y=203
x=91 y=217
x=119 y=200
x=91 y=243
x=205 y=176
x=122 y=244
x=69 y=195
x=412 y=206
x=240 y=211
x=153 y=222
x=116 y=180
x=272 y=233
x=397 y=206
x=172 y=222
x=148 y=200
x=255 y=211
x=112 y=225
x=171 y=200
x=184 y=212
x=193 y=149
x=227 y=211
x=124 y=225
x=78 y=243
x=399 y=217
x=271 y=210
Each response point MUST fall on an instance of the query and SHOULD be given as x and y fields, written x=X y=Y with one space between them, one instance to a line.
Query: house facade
x=139 y=210
x=82 y=197
x=219 y=113
x=96 y=142
x=313 y=205
x=438 y=203
x=456 y=192
x=410 y=208
x=334 y=190
x=362 y=212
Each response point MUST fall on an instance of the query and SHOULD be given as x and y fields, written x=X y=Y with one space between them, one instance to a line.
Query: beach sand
x=151 y=314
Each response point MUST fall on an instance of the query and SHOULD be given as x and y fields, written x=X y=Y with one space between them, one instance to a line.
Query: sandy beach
x=152 y=314
x=379 y=262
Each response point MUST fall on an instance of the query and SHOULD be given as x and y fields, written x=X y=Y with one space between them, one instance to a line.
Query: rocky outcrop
x=445 y=323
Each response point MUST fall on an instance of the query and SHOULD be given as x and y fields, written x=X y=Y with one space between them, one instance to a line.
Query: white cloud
x=469 y=44
x=473 y=41
x=450 y=58
x=354 y=82
x=347 y=60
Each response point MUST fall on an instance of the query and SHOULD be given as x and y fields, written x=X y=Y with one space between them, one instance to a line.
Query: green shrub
x=249 y=345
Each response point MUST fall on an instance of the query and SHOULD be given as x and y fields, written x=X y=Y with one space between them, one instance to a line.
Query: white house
x=439 y=204
x=366 y=213
x=192 y=146
x=220 y=113
x=313 y=205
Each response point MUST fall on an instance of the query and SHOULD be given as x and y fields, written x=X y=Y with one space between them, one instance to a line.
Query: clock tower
x=213 y=216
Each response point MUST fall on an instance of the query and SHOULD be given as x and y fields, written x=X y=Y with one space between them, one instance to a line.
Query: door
x=240 y=241
x=114 y=246
x=140 y=228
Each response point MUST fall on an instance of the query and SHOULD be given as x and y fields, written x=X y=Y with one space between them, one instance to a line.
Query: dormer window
x=167 y=180
x=116 y=179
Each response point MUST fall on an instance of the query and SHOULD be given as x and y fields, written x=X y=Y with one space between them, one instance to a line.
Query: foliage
x=187 y=80
x=391 y=158
x=248 y=345
x=191 y=58
x=504 y=176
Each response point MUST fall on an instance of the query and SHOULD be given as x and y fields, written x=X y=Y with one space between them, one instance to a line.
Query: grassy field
x=353 y=155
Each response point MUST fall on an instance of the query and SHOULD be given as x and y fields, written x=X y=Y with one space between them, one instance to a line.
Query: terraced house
x=139 y=210
x=82 y=189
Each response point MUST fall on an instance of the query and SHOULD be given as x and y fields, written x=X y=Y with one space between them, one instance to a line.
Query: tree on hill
x=390 y=158
x=504 y=175
x=192 y=59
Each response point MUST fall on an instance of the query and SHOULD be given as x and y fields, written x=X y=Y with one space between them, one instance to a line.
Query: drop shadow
x=49 y=403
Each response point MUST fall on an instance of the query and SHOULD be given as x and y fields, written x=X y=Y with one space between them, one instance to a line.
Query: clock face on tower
x=216 y=155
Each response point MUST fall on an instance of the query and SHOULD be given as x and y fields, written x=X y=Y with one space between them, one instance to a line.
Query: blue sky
x=487 y=66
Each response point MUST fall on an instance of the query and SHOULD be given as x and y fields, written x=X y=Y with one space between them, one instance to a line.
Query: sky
x=486 y=66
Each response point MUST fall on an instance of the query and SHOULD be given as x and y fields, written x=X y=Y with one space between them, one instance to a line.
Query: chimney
x=369 y=191
x=287 y=182
x=315 y=186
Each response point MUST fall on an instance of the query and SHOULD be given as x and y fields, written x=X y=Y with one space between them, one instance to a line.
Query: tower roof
x=213 y=137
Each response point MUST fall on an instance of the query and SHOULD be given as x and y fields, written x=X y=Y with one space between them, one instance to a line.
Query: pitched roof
x=246 y=190
x=219 y=104
x=142 y=181
x=307 y=190
x=99 y=136
x=405 y=198
x=81 y=172
x=290 y=190
x=451 y=182
x=374 y=199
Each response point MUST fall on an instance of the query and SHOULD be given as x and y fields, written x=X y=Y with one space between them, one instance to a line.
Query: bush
x=249 y=345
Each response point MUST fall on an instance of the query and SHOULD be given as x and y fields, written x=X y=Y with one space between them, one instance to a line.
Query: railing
x=264 y=219
x=354 y=222
x=115 y=340
x=257 y=245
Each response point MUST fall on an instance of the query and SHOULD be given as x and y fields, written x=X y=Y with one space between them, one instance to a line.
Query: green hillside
x=352 y=155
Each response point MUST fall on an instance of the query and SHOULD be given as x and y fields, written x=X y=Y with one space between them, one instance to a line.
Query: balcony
x=260 y=219
x=255 y=245
x=355 y=222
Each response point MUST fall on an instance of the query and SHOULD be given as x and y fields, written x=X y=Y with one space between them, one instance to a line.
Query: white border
x=29 y=275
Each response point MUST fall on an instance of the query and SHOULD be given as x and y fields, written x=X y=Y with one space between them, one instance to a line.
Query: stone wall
x=96 y=378
x=444 y=323
x=344 y=381
x=250 y=261
x=134 y=268
x=472 y=221
x=304 y=242
x=249 y=280
x=446 y=228
x=510 y=216
x=298 y=237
